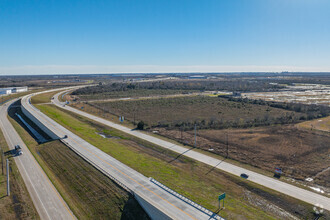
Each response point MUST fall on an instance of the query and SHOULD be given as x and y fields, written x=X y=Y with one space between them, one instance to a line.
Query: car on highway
x=245 y=176
x=18 y=150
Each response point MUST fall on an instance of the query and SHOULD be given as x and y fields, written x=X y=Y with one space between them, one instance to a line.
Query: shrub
x=140 y=125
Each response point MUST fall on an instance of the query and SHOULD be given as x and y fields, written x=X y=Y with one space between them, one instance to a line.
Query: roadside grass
x=43 y=97
x=197 y=181
x=89 y=193
x=19 y=204
x=6 y=98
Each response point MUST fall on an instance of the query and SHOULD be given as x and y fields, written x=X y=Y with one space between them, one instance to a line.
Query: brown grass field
x=171 y=112
x=300 y=153
x=321 y=124
x=131 y=93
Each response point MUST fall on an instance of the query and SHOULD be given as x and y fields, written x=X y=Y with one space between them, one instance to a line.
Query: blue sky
x=96 y=36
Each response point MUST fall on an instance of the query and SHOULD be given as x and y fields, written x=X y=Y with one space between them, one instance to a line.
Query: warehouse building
x=6 y=91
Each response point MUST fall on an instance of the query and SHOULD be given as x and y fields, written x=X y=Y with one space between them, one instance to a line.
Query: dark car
x=245 y=176
x=18 y=150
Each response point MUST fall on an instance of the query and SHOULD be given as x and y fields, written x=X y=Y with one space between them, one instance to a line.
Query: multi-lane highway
x=143 y=189
x=46 y=199
x=272 y=183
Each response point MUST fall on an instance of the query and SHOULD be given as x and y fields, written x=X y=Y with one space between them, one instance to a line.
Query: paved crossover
x=285 y=188
x=142 y=187
x=45 y=197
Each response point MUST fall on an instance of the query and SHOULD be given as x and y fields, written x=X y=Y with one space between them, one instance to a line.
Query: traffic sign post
x=121 y=119
x=222 y=197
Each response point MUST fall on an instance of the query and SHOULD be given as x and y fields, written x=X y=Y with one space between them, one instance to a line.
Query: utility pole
x=181 y=133
x=227 y=144
x=195 y=136
x=8 y=187
x=2 y=162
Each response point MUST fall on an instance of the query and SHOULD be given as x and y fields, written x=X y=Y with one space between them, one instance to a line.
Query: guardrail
x=98 y=167
x=186 y=200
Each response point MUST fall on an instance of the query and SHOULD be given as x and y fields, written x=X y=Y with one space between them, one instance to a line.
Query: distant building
x=19 y=89
x=197 y=77
x=6 y=91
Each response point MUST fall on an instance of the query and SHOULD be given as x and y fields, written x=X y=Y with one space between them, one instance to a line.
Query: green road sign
x=222 y=196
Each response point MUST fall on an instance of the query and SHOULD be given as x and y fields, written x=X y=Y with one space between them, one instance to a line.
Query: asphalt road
x=45 y=197
x=142 y=187
x=272 y=183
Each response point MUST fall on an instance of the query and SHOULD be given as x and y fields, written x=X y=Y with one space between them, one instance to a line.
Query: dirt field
x=322 y=124
x=300 y=153
x=207 y=112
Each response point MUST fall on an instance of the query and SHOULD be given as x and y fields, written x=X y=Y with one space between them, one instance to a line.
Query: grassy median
x=43 y=97
x=195 y=180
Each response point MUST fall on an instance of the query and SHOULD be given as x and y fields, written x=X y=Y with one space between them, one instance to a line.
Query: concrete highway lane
x=272 y=183
x=46 y=199
x=143 y=188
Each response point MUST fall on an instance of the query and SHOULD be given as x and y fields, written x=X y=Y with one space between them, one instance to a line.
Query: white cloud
x=75 y=69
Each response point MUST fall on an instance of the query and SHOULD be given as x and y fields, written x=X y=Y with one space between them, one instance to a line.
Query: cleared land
x=299 y=93
x=300 y=153
x=19 y=204
x=89 y=193
x=206 y=112
x=194 y=180
x=321 y=124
